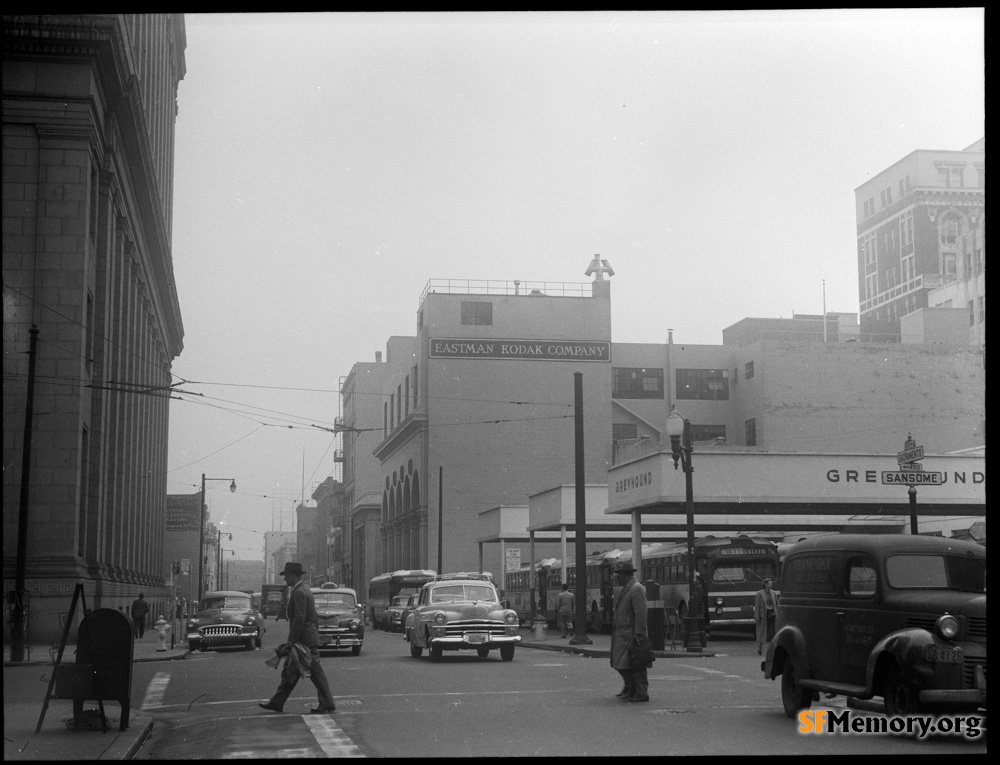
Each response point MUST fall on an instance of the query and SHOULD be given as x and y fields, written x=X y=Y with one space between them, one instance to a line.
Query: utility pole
x=20 y=593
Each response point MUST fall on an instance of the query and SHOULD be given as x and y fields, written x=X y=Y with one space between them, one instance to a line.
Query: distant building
x=476 y=410
x=921 y=228
x=274 y=541
x=244 y=575
x=89 y=108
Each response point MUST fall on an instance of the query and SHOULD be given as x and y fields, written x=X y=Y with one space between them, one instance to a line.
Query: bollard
x=538 y=625
x=163 y=630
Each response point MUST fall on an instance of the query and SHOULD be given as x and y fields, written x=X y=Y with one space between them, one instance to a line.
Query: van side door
x=859 y=617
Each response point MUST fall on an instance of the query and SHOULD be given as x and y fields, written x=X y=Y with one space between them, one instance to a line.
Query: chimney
x=378 y=357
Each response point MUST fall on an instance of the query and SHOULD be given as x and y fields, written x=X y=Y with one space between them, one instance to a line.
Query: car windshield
x=458 y=593
x=945 y=572
x=399 y=601
x=328 y=599
x=232 y=602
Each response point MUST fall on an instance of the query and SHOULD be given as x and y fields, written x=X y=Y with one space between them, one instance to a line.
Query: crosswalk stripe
x=331 y=739
x=156 y=690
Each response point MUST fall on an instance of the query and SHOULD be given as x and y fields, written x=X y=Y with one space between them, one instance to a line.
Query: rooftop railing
x=515 y=287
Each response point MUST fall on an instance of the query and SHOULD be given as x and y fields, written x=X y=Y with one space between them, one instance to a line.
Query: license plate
x=477 y=638
x=942 y=654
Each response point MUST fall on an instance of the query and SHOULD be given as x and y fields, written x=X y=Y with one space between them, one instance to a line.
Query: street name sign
x=910 y=455
x=912 y=477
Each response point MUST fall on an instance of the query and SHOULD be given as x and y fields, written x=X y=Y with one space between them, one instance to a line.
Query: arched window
x=415 y=491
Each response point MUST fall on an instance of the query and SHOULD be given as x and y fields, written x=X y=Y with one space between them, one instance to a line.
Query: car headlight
x=947 y=627
x=718 y=601
x=510 y=617
x=439 y=617
x=250 y=622
x=192 y=625
x=354 y=624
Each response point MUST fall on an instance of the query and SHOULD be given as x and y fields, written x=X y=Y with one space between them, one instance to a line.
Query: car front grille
x=969 y=670
x=475 y=627
x=975 y=628
x=222 y=630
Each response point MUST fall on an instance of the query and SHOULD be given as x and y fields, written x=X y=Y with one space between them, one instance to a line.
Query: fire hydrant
x=163 y=630
x=538 y=625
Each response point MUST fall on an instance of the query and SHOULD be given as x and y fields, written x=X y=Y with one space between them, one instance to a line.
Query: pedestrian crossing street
x=282 y=736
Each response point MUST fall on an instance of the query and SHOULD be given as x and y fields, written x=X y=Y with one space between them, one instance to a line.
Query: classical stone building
x=89 y=107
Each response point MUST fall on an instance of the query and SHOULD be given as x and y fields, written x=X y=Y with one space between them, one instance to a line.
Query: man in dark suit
x=302 y=645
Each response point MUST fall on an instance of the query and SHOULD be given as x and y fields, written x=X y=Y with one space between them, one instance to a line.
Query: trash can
x=655 y=621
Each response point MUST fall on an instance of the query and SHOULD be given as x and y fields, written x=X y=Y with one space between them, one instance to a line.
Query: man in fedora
x=303 y=630
x=629 y=623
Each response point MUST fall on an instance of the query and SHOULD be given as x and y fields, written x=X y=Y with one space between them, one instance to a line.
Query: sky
x=329 y=165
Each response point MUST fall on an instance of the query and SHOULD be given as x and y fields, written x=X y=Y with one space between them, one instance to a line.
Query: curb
x=127 y=745
x=175 y=656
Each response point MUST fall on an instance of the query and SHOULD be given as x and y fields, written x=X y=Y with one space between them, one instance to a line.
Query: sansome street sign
x=910 y=455
x=912 y=477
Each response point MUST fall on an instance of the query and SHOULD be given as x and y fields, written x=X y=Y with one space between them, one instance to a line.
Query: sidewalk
x=24 y=687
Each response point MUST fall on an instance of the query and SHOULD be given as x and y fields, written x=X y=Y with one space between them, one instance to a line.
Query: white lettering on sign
x=543 y=350
x=871 y=476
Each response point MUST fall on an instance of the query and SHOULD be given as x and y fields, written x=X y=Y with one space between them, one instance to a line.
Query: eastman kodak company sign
x=540 y=350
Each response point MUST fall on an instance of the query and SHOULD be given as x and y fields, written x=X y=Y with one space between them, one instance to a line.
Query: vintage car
x=340 y=618
x=225 y=618
x=452 y=614
x=394 y=617
x=892 y=615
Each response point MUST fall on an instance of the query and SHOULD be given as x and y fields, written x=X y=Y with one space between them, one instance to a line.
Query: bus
x=384 y=587
x=732 y=569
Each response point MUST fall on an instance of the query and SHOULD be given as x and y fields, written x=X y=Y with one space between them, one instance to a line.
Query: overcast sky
x=329 y=165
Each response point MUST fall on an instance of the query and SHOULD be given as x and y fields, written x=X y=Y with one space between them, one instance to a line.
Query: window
x=906 y=229
x=751 y=426
x=949 y=263
x=399 y=403
x=707 y=432
x=972 y=313
x=414 y=375
x=703 y=384
x=868 y=248
x=748 y=370
x=949 y=231
x=406 y=398
x=477 y=312
x=632 y=382
x=861 y=578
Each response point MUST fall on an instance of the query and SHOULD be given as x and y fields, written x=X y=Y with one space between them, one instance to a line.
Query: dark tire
x=248 y=644
x=435 y=653
x=507 y=652
x=483 y=651
x=194 y=645
x=355 y=650
x=794 y=697
x=900 y=697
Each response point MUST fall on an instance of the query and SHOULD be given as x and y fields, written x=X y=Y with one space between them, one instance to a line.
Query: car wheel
x=435 y=652
x=194 y=645
x=483 y=651
x=507 y=652
x=793 y=696
x=355 y=650
x=248 y=644
x=900 y=696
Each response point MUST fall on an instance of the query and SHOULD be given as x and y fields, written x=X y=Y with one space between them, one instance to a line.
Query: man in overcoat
x=629 y=623
x=765 y=611
x=303 y=633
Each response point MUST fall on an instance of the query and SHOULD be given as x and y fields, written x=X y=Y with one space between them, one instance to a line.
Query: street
x=543 y=703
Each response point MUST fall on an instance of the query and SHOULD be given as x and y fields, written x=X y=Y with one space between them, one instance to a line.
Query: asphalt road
x=543 y=703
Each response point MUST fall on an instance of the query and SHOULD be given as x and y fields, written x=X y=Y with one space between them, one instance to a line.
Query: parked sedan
x=340 y=621
x=226 y=618
x=457 y=614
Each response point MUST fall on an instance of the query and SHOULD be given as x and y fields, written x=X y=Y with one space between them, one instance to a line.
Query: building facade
x=921 y=229
x=89 y=106
x=476 y=411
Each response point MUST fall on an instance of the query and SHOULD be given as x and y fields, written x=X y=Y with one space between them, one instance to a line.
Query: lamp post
x=679 y=430
x=201 y=532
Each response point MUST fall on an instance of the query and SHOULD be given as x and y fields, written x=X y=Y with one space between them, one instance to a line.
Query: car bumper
x=339 y=640
x=473 y=641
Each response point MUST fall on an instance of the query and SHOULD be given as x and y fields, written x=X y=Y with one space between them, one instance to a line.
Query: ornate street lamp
x=201 y=532
x=679 y=430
